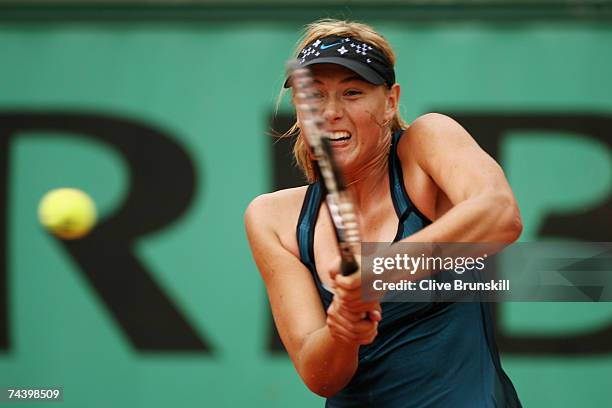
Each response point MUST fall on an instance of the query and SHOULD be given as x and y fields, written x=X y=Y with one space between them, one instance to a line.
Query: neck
x=371 y=178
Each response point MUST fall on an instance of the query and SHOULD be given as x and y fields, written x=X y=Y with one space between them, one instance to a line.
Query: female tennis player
x=424 y=182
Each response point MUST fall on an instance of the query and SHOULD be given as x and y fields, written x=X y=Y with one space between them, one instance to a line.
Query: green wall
x=212 y=86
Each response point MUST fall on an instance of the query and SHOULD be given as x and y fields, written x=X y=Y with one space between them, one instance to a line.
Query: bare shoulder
x=276 y=213
x=441 y=161
x=430 y=133
x=436 y=120
x=449 y=156
x=272 y=207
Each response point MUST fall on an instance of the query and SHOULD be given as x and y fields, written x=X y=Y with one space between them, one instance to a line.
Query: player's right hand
x=356 y=327
x=349 y=318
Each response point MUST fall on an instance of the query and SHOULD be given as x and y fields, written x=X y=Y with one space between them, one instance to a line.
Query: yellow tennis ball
x=67 y=213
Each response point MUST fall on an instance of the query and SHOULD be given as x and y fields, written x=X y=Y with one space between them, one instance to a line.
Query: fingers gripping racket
x=339 y=203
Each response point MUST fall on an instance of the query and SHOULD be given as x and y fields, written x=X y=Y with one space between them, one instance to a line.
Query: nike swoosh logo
x=324 y=47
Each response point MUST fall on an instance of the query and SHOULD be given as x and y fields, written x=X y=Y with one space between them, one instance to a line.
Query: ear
x=392 y=102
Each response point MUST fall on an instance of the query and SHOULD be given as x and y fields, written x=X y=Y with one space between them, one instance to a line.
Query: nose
x=332 y=109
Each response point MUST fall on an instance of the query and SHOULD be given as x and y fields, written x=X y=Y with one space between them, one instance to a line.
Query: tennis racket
x=338 y=199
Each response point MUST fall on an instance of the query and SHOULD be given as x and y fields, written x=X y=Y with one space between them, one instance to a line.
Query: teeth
x=339 y=135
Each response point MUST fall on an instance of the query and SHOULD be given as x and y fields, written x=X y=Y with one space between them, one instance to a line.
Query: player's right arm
x=324 y=352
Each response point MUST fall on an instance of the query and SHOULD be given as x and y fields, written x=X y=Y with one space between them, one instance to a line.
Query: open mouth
x=340 y=136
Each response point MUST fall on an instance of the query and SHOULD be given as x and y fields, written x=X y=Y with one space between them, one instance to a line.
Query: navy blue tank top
x=425 y=354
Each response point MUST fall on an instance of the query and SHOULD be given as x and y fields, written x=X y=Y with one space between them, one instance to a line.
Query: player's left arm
x=480 y=206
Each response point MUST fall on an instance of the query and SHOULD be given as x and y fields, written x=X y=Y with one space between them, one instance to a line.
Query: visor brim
x=361 y=69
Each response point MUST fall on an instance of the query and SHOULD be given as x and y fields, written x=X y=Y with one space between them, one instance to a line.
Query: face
x=355 y=113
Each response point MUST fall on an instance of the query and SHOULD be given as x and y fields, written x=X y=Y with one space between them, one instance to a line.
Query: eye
x=352 y=92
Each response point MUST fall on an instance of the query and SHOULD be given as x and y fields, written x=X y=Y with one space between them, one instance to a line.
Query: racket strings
x=339 y=202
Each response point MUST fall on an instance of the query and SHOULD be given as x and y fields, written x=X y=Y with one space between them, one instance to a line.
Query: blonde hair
x=323 y=28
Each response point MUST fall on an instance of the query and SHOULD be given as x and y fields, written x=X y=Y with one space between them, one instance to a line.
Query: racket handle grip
x=348 y=265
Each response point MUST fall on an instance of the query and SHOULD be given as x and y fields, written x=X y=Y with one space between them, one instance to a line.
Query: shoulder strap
x=410 y=218
x=306 y=222
x=396 y=178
